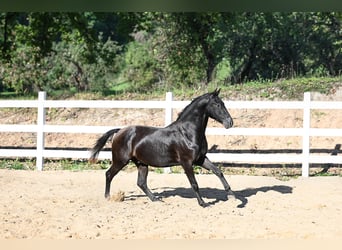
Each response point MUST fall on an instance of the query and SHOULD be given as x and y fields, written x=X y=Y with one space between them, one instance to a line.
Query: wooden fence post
x=168 y=108
x=168 y=117
x=306 y=135
x=40 y=130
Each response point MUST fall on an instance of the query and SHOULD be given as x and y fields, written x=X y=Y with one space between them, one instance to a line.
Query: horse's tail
x=100 y=143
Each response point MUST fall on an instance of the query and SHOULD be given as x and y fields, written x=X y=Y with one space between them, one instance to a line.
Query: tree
x=326 y=40
x=88 y=51
x=35 y=46
x=192 y=40
x=283 y=45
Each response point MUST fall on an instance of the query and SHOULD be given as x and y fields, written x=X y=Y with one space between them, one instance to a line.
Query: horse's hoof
x=231 y=195
x=204 y=204
x=156 y=198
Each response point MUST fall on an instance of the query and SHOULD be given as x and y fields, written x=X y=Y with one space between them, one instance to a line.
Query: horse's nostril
x=228 y=123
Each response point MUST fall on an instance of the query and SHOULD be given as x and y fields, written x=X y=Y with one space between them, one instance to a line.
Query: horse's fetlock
x=195 y=187
x=107 y=174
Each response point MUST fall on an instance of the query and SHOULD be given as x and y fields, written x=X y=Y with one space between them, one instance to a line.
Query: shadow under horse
x=183 y=143
x=220 y=195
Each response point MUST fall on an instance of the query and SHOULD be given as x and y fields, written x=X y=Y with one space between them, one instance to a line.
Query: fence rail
x=305 y=158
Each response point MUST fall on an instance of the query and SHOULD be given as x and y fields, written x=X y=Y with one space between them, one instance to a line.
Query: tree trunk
x=211 y=62
x=210 y=68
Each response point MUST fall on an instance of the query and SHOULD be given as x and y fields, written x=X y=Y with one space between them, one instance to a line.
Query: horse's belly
x=161 y=154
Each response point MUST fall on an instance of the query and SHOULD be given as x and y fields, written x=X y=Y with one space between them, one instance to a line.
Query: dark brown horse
x=181 y=143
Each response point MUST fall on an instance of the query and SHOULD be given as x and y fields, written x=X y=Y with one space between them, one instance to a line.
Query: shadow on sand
x=217 y=194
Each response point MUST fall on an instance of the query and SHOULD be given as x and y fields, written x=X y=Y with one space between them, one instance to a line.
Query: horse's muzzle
x=228 y=123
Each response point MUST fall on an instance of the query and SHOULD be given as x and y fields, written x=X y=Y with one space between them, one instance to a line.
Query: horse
x=183 y=142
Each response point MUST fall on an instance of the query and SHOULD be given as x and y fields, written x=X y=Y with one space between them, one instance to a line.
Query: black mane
x=194 y=102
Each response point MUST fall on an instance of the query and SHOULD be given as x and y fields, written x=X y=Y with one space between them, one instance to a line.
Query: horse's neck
x=198 y=119
x=195 y=115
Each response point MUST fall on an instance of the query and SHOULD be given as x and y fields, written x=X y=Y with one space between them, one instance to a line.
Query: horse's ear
x=217 y=91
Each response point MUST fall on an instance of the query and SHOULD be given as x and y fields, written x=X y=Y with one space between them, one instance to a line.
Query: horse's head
x=217 y=110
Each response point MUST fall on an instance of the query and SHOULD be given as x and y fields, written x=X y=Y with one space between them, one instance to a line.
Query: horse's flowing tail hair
x=100 y=144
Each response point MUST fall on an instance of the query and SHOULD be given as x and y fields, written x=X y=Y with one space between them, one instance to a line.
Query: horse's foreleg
x=142 y=181
x=191 y=177
x=210 y=166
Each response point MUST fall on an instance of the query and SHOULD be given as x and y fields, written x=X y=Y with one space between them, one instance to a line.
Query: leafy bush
x=64 y=69
x=140 y=66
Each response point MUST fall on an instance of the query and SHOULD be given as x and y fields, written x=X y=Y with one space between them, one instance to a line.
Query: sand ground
x=66 y=204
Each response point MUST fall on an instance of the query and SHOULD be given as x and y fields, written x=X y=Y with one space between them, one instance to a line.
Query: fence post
x=306 y=135
x=168 y=108
x=40 y=130
x=168 y=117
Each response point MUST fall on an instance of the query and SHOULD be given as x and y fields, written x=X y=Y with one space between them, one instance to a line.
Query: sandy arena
x=66 y=204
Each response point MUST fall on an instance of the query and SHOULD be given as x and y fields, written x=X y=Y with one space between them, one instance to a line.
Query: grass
x=291 y=89
x=118 y=88
x=287 y=89
x=282 y=173
x=64 y=164
x=15 y=96
x=7 y=94
x=17 y=164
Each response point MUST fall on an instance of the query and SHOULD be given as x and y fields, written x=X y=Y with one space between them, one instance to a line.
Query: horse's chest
x=192 y=145
x=195 y=148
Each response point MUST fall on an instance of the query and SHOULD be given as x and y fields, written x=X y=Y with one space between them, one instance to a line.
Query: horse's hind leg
x=210 y=166
x=142 y=181
x=110 y=173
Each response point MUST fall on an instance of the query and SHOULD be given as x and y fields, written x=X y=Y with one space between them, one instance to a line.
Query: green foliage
x=16 y=164
x=22 y=72
x=86 y=51
x=140 y=65
x=56 y=52
x=286 y=45
x=64 y=68
x=187 y=46
x=291 y=89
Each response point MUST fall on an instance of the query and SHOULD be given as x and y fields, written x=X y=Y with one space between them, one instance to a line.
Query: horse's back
x=128 y=137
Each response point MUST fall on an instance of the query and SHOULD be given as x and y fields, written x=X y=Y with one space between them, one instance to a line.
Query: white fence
x=305 y=158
